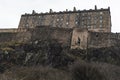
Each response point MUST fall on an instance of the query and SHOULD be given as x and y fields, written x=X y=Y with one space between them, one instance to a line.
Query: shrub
x=86 y=71
x=34 y=73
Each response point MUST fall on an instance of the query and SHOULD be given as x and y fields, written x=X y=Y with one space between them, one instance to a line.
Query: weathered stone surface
x=98 y=20
x=73 y=29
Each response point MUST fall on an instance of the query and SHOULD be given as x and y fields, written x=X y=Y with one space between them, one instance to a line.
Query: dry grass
x=78 y=71
x=86 y=71
x=35 y=73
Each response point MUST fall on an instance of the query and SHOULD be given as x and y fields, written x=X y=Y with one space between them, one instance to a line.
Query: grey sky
x=11 y=10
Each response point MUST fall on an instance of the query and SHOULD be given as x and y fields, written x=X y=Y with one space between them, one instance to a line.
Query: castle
x=80 y=29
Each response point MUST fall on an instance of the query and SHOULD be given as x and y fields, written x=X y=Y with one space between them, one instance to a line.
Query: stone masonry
x=79 y=29
x=97 y=20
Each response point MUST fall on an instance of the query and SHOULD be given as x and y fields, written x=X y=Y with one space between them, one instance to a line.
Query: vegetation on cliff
x=48 y=60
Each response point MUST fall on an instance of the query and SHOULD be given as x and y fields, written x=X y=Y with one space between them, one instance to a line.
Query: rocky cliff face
x=50 y=53
x=34 y=53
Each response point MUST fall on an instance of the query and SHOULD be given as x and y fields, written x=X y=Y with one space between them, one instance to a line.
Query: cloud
x=11 y=10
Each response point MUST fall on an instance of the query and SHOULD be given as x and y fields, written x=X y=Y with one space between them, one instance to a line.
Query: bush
x=34 y=73
x=86 y=71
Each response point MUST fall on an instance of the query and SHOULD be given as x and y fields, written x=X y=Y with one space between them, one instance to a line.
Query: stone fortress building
x=98 y=20
x=80 y=29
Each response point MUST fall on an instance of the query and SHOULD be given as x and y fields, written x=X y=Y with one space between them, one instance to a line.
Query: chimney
x=33 y=12
x=109 y=8
x=66 y=10
x=51 y=11
x=95 y=7
x=74 y=9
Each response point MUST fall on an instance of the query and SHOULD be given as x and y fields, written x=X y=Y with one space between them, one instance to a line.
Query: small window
x=67 y=23
x=77 y=13
x=94 y=26
x=82 y=23
x=101 y=17
x=83 y=14
x=96 y=35
x=76 y=22
x=78 y=41
x=95 y=21
x=101 y=21
x=89 y=17
x=88 y=26
x=83 y=18
x=101 y=12
x=57 y=19
x=88 y=22
x=61 y=19
x=95 y=17
x=100 y=25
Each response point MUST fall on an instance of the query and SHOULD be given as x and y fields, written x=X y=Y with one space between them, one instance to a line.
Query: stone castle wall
x=13 y=30
x=15 y=35
x=98 y=40
x=43 y=33
x=73 y=38
x=62 y=35
x=7 y=37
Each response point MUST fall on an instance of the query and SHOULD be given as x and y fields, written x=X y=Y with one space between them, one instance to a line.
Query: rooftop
x=51 y=12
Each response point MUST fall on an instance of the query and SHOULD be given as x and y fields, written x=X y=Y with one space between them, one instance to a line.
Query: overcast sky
x=11 y=10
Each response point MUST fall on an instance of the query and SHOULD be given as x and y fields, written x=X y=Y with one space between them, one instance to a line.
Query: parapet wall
x=13 y=30
x=98 y=40
x=14 y=34
x=7 y=37
x=9 y=30
x=62 y=35
x=74 y=38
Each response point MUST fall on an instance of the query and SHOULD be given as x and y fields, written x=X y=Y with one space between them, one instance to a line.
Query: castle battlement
x=51 y=12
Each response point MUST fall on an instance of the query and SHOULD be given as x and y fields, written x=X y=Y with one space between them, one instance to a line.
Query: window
x=101 y=21
x=89 y=17
x=78 y=41
x=88 y=22
x=100 y=25
x=57 y=19
x=76 y=22
x=67 y=23
x=94 y=26
x=27 y=25
x=101 y=12
x=95 y=21
x=61 y=19
x=77 y=13
x=88 y=26
x=96 y=35
x=83 y=14
x=83 y=18
x=82 y=23
x=95 y=17
x=101 y=17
